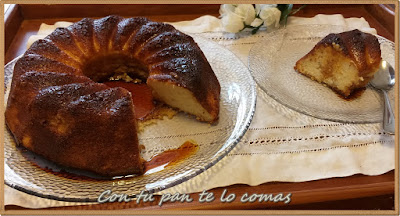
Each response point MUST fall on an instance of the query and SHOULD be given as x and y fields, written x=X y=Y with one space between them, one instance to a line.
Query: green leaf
x=297 y=10
x=285 y=9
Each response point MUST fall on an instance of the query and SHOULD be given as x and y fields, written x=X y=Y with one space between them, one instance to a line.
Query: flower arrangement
x=237 y=17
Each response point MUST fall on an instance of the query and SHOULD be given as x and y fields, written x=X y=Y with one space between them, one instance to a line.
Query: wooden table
x=355 y=192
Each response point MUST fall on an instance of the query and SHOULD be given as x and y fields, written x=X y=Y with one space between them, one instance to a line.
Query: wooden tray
x=355 y=192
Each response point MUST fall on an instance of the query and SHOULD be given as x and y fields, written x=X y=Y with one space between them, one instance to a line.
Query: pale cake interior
x=328 y=65
x=179 y=97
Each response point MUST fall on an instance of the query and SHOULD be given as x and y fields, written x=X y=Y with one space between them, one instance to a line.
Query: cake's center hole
x=117 y=70
x=102 y=68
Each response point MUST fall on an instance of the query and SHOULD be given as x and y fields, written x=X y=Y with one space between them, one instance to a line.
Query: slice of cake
x=344 y=62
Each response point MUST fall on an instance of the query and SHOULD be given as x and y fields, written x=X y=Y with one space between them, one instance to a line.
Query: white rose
x=232 y=22
x=225 y=8
x=247 y=12
x=271 y=16
x=257 y=22
x=259 y=7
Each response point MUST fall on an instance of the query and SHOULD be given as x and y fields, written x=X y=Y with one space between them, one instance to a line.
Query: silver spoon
x=384 y=80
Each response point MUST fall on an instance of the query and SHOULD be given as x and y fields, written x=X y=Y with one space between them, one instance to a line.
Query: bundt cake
x=60 y=108
x=344 y=62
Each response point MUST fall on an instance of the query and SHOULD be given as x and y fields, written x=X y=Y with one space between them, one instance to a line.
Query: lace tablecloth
x=281 y=144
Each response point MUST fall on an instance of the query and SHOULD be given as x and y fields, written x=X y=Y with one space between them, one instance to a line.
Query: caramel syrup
x=172 y=157
x=142 y=97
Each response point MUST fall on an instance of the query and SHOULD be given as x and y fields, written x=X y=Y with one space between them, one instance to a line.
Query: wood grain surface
x=27 y=18
x=355 y=192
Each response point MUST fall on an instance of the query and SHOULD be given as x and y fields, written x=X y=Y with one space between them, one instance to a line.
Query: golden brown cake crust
x=83 y=35
x=105 y=135
x=126 y=29
x=57 y=110
x=27 y=87
x=363 y=48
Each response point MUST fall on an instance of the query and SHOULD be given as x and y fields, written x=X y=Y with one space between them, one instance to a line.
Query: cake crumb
x=159 y=113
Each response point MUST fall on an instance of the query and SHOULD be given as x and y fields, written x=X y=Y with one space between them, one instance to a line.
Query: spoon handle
x=388 y=116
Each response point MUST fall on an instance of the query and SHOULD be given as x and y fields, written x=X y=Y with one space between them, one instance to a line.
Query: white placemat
x=281 y=144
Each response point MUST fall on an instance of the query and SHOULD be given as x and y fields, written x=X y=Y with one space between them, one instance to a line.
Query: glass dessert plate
x=272 y=60
x=237 y=105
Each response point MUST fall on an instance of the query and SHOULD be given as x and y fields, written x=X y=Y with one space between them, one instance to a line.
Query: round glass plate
x=272 y=60
x=237 y=105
